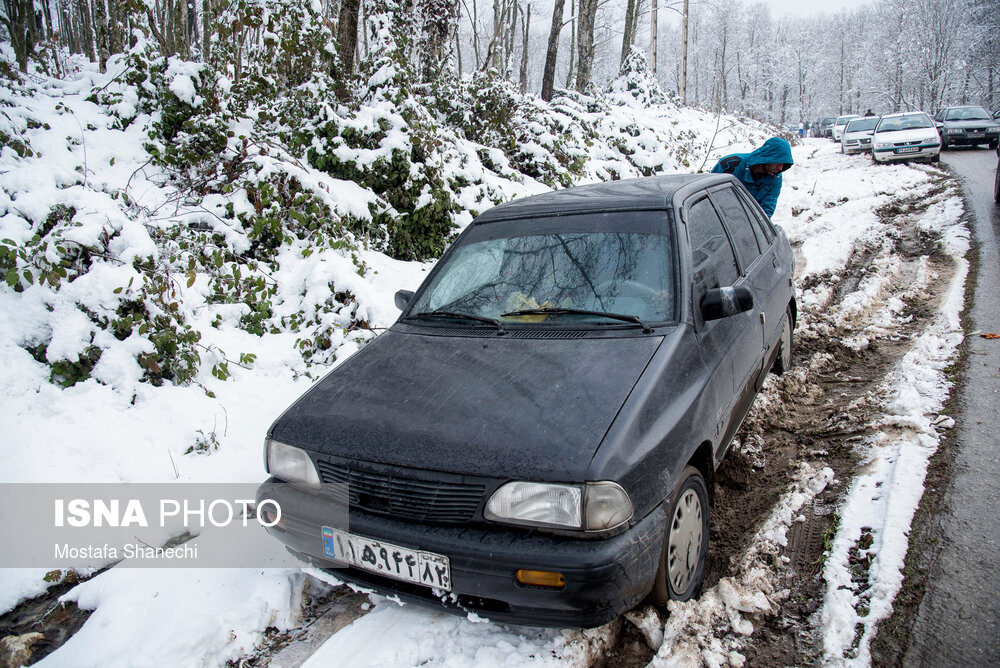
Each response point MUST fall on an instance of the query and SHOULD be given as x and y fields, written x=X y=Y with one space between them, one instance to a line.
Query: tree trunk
x=86 y=30
x=101 y=33
x=585 y=41
x=552 y=50
x=571 y=70
x=347 y=34
x=19 y=20
x=525 y=27
x=439 y=18
x=207 y=20
x=628 y=36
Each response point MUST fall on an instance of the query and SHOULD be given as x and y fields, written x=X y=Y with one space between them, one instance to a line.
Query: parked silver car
x=909 y=135
x=857 y=137
x=840 y=124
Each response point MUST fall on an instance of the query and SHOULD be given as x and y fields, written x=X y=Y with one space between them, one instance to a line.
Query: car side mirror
x=403 y=298
x=724 y=302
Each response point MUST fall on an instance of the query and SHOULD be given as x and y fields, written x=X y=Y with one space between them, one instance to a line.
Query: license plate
x=393 y=561
x=908 y=149
x=975 y=135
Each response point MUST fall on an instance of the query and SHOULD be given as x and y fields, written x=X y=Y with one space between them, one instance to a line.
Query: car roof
x=649 y=193
x=904 y=113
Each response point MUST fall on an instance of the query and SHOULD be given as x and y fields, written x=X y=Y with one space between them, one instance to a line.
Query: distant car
x=840 y=124
x=857 y=137
x=968 y=125
x=533 y=440
x=824 y=127
x=906 y=136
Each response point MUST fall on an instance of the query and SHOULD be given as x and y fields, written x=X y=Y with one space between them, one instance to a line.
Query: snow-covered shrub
x=635 y=83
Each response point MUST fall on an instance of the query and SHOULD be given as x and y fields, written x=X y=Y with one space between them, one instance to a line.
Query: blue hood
x=774 y=150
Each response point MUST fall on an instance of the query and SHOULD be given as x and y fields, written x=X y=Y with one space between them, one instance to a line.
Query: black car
x=535 y=439
x=967 y=125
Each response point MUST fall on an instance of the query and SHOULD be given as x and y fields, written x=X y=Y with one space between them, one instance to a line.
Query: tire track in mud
x=824 y=409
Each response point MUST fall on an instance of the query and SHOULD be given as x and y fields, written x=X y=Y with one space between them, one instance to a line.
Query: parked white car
x=857 y=137
x=907 y=136
x=840 y=124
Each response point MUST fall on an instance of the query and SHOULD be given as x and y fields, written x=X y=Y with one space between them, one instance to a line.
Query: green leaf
x=12 y=277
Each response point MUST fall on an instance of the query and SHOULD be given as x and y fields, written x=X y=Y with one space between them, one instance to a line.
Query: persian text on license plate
x=908 y=149
x=399 y=563
x=976 y=135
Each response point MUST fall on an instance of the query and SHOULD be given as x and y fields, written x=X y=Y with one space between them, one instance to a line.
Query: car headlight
x=289 y=463
x=993 y=128
x=883 y=145
x=954 y=130
x=593 y=506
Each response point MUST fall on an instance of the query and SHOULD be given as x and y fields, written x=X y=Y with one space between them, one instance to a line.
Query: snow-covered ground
x=112 y=427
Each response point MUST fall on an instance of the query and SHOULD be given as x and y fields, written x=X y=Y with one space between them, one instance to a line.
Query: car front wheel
x=685 y=543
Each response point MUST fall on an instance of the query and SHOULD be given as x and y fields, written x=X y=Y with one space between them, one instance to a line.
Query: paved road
x=958 y=622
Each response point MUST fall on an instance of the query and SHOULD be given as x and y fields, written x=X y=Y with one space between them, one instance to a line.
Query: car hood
x=979 y=123
x=906 y=135
x=858 y=134
x=496 y=406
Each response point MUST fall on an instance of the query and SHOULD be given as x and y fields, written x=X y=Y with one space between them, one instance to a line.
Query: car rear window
x=620 y=262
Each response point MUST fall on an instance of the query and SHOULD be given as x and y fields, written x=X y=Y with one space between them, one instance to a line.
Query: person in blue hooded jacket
x=760 y=170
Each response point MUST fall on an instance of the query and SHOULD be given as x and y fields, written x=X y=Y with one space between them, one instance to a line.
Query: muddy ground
x=819 y=413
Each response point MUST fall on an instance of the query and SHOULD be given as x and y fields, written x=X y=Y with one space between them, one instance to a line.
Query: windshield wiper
x=452 y=315
x=646 y=329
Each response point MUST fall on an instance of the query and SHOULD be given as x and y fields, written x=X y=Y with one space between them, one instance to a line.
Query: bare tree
x=585 y=43
x=525 y=31
x=18 y=19
x=552 y=50
x=631 y=23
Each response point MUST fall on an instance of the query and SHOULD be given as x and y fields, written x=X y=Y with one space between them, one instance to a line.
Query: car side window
x=712 y=257
x=759 y=221
x=738 y=224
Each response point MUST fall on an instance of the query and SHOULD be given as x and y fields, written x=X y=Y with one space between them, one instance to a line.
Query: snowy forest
x=889 y=56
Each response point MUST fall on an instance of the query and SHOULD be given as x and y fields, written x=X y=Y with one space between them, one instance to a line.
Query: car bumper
x=923 y=151
x=857 y=148
x=604 y=576
x=970 y=139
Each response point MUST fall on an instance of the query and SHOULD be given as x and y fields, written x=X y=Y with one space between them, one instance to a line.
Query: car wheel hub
x=685 y=541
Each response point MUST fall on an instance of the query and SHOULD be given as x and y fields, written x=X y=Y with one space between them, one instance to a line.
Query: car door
x=730 y=347
x=769 y=275
x=753 y=274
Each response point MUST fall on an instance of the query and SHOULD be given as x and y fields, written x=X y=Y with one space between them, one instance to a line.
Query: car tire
x=685 y=541
x=944 y=145
x=993 y=144
x=935 y=158
x=786 y=345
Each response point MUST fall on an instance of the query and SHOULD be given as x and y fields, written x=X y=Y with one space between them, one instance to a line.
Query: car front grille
x=915 y=142
x=406 y=493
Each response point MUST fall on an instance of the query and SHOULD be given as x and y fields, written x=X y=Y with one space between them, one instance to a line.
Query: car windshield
x=907 y=122
x=967 y=114
x=844 y=120
x=862 y=124
x=618 y=263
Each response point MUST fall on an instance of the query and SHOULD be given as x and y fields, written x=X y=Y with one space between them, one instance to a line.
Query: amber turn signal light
x=540 y=578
